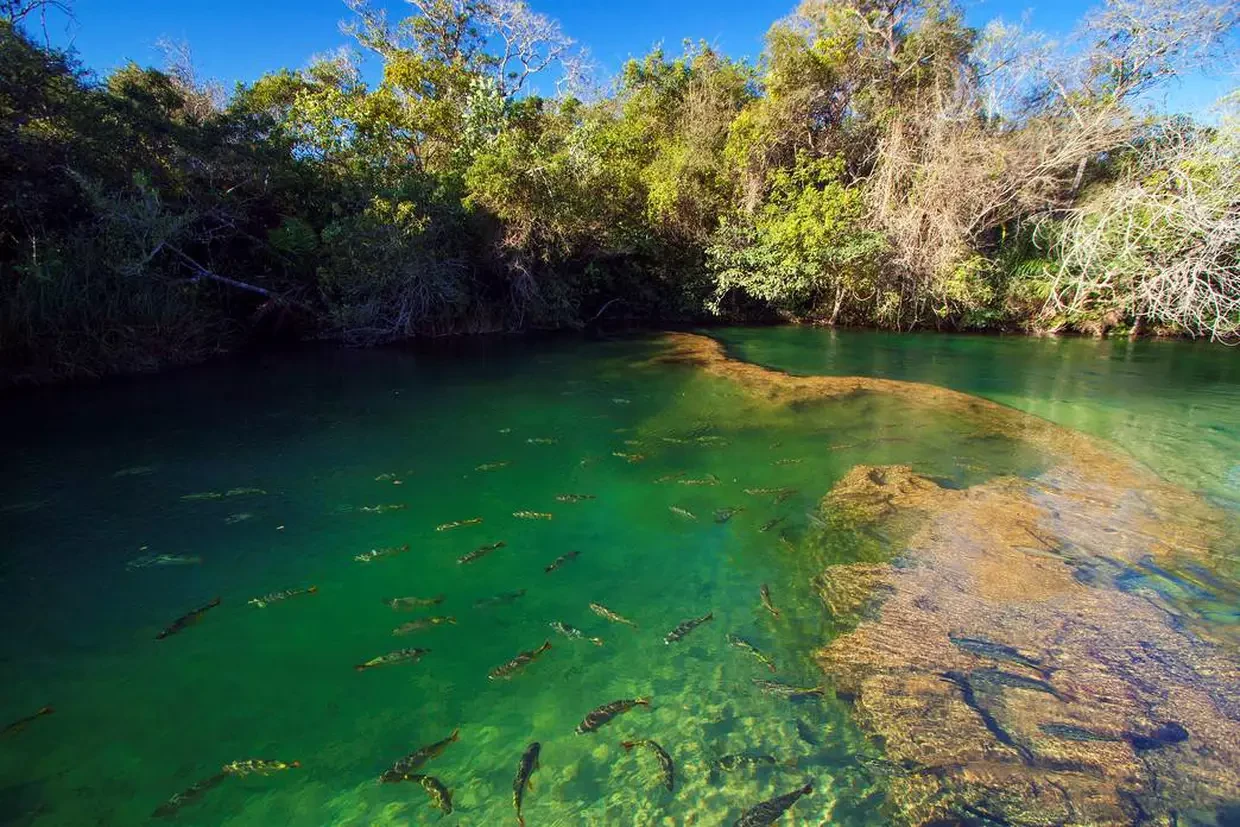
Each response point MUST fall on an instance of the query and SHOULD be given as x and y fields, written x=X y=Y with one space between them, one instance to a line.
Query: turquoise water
x=1174 y=405
x=97 y=478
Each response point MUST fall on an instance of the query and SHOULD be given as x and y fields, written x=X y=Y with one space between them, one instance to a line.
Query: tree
x=806 y=250
x=1159 y=245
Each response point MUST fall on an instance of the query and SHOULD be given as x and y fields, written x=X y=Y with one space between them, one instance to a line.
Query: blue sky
x=238 y=40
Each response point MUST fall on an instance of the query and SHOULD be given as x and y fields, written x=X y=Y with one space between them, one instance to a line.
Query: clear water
x=96 y=477
x=1173 y=405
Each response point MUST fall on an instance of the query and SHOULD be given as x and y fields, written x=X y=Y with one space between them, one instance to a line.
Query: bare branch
x=202 y=98
x=532 y=42
x=1162 y=244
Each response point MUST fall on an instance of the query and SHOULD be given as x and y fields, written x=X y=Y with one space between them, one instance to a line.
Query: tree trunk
x=835 y=311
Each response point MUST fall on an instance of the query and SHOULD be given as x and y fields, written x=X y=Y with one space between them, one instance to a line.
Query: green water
x=138 y=720
x=1174 y=405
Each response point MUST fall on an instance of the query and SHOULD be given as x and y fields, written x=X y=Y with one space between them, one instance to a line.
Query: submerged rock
x=1010 y=643
x=1019 y=692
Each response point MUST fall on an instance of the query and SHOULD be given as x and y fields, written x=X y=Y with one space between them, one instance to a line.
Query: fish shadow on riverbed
x=1228 y=815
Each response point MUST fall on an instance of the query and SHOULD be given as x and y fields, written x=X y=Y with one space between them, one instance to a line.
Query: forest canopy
x=881 y=164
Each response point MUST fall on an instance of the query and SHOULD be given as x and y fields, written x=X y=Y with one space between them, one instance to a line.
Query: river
x=687 y=472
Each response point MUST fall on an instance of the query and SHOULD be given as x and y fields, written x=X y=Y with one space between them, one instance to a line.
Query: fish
x=135 y=471
x=574 y=633
x=769 y=811
x=402 y=603
x=202 y=495
x=382 y=509
x=628 y=457
x=241 y=492
x=522 y=660
x=532 y=515
x=674 y=440
x=666 y=768
x=24 y=506
x=709 y=479
x=740 y=760
x=807 y=733
x=492 y=466
x=573 y=498
x=1164 y=735
x=387 y=477
x=1070 y=732
x=969 y=696
x=522 y=781
x=686 y=627
x=561 y=560
x=746 y=646
x=783 y=690
x=458 y=524
x=257 y=766
x=998 y=677
x=233 y=519
x=170 y=807
x=786 y=462
x=480 y=552
x=415 y=759
x=380 y=553
x=601 y=715
x=633 y=442
x=765 y=594
x=276 y=597
x=188 y=619
x=707 y=440
x=604 y=612
x=440 y=795
x=682 y=512
x=780 y=496
x=506 y=597
x=20 y=724
x=149 y=560
x=422 y=623
x=771 y=523
x=669 y=477
x=722 y=515
x=399 y=656
x=989 y=649
x=619 y=400
x=505 y=430
x=541 y=440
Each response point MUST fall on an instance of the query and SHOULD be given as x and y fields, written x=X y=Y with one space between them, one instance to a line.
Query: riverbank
x=15 y=376
x=149 y=218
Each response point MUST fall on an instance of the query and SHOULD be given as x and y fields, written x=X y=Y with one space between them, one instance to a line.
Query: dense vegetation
x=882 y=164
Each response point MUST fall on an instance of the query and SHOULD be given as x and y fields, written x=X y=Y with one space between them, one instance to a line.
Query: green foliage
x=806 y=250
x=145 y=219
x=387 y=271
x=967 y=287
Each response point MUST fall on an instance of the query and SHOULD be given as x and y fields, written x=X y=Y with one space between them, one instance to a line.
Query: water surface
x=97 y=478
x=1172 y=404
